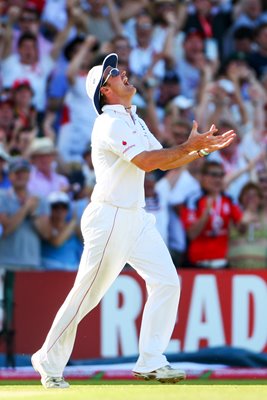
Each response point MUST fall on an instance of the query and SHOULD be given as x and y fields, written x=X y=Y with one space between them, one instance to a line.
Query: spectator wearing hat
x=44 y=179
x=80 y=192
x=24 y=218
x=25 y=112
x=62 y=250
x=4 y=179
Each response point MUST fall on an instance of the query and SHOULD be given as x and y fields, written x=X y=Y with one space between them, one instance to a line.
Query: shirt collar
x=118 y=108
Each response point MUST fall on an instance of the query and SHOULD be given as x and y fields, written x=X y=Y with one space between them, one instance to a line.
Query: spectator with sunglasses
x=207 y=216
x=117 y=230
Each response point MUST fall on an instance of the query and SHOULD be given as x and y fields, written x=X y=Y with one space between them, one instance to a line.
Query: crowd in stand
x=203 y=60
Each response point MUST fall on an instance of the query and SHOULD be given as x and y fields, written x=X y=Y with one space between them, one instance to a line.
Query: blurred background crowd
x=189 y=59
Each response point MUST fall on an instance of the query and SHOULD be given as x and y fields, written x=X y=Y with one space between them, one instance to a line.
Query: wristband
x=202 y=153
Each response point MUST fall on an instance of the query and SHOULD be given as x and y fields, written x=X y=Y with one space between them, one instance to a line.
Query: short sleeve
x=124 y=141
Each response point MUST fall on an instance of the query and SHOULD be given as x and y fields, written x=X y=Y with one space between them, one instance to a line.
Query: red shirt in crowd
x=212 y=242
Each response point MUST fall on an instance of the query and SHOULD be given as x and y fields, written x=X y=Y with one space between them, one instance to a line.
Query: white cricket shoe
x=49 y=382
x=165 y=374
x=54 y=383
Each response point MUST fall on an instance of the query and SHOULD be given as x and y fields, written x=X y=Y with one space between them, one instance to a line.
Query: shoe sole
x=147 y=377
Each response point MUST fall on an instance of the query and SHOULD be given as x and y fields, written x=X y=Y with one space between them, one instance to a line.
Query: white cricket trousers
x=113 y=237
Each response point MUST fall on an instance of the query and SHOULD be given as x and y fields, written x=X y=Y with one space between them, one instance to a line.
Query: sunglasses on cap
x=112 y=73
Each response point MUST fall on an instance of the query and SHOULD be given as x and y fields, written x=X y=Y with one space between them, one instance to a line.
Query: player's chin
x=131 y=88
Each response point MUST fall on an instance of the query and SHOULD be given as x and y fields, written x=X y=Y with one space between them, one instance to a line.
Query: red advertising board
x=216 y=309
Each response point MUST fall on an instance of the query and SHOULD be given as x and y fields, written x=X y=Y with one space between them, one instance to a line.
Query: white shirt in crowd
x=37 y=75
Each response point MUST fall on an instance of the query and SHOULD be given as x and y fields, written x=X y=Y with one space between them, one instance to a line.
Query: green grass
x=131 y=390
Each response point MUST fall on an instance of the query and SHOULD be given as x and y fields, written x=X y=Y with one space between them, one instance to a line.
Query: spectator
x=248 y=249
x=258 y=58
x=51 y=24
x=6 y=116
x=189 y=66
x=29 y=64
x=146 y=56
x=22 y=142
x=43 y=178
x=237 y=167
x=207 y=216
x=80 y=192
x=121 y=46
x=62 y=250
x=58 y=86
x=187 y=182
x=262 y=182
x=168 y=90
x=157 y=195
x=75 y=134
x=25 y=220
x=212 y=20
x=25 y=113
x=168 y=18
x=28 y=19
x=88 y=170
x=102 y=20
x=4 y=179
x=249 y=13
x=242 y=42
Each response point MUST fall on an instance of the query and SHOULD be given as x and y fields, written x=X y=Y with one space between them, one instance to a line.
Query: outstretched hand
x=208 y=141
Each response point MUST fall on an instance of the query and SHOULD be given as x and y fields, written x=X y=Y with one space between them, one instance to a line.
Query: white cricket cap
x=95 y=78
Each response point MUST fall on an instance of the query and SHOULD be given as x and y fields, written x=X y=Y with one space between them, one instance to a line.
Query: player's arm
x=177 y=156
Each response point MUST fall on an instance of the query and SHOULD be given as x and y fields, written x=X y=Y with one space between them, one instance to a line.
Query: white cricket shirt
x=116 y=140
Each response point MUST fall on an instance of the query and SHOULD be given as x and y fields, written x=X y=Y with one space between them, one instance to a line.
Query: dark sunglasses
x=57 y=206
x=215 y=174
x=112 y=73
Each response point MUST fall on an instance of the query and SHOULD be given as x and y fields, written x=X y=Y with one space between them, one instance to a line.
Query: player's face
x=118 y=82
